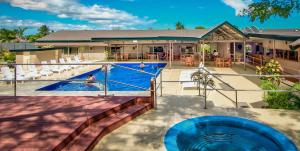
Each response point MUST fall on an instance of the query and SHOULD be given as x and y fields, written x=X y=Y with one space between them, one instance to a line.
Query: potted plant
x=238 y=57
x=203 y=77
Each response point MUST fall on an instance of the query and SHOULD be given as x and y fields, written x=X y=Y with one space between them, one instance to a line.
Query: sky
x=130 y=14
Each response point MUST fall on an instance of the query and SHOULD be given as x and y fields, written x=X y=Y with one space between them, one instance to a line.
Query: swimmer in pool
x=142 y=65
x=91 y=79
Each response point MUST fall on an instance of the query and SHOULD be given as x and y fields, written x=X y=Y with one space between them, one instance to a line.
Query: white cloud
x=238 y=5
x=7 y=22
x=96 y=14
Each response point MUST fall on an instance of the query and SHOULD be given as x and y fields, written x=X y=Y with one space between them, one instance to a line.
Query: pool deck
x=48 y=122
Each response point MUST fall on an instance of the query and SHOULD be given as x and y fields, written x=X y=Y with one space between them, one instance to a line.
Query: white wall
x=93 y=53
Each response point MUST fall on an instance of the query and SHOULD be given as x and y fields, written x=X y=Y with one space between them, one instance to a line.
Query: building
x=252 y=46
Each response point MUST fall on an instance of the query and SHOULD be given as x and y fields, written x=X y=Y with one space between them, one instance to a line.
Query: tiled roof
x=86 y=35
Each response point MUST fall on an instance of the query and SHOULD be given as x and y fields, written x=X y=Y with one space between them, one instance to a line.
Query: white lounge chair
x=66 y=67
x=22 y=73
x=186 y=75
x=56 y=68
x=33 y=72
x=78 y=60
x=46 y=71
x=8 y=75
x=70 y=61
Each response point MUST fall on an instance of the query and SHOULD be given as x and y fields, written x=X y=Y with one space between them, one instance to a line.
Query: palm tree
x=20 y=33
x=7 y=35
x=199 y=27
x=44 y=30
x=179 y=26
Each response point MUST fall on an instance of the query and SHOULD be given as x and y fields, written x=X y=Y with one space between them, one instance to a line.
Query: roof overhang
x=102 y=39
x=38 y=49
x=274 y=37
x=295 y=43
x=224 y=31
x=70 y=44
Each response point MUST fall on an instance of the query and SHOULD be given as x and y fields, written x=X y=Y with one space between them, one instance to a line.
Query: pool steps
x=89 y=133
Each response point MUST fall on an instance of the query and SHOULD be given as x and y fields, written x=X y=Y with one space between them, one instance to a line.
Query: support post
x=199 y=88
x=155 y=94
x=137 y=51
x=15 y=80
x=152 y=93
x=236 y=99
x=203 y=53
x=105 y=80
x=170 y=62
x=244 y=55
x=161 y=82
x=234 y=53
x=274 y=50
x=205 y=87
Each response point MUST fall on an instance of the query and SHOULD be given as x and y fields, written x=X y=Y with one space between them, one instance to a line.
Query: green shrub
x=270 y=68
x=9 y=57
x=280 y=100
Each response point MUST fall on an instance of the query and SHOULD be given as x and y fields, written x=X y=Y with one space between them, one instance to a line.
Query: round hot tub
x=223 y=133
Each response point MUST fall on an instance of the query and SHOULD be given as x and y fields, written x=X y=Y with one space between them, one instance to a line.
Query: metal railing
x=234 y=100
x=103 y=66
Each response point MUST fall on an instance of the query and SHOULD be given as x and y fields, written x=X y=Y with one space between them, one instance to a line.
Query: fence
x=156 y=82
x=234 y=100
x=14 y=79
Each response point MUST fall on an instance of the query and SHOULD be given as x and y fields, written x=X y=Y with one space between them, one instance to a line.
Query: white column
x=274 y=50
x=244 y=54
x=137 y=51
x=170 y=47
x=203 y=53
x=234 y=52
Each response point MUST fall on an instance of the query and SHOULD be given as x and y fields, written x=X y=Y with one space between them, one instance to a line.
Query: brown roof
x=287 y=32
x=85 y=35
x=295 y=43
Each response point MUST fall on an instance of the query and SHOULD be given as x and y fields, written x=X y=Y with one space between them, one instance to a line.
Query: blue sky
x=129 y=14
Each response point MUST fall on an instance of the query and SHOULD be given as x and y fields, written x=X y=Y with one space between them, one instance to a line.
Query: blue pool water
x=223 y=133
x=116 y=74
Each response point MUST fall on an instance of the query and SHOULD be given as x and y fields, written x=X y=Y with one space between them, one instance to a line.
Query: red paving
x=43 y=122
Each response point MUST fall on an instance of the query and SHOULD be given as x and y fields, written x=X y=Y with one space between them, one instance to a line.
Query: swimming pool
x=116 y=74
x=223 y=133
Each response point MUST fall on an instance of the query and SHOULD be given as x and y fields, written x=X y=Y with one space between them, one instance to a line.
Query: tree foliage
x=7 y=35
x=264 y=9
x=44 y=30
x=17 y=35
x=199 y=27
x=179 y=26
x=271 y=68
x=20 y=32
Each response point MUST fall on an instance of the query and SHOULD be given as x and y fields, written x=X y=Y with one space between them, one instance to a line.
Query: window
x=115 y=49
x=73 y=51
x=287 y=54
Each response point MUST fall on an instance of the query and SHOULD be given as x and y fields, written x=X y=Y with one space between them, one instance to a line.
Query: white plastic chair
x=45 y=69
x=22 y=73
x=33 y=72
x=56 y=68
x=70 y=61
x=62 y=61
x=7 y=75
